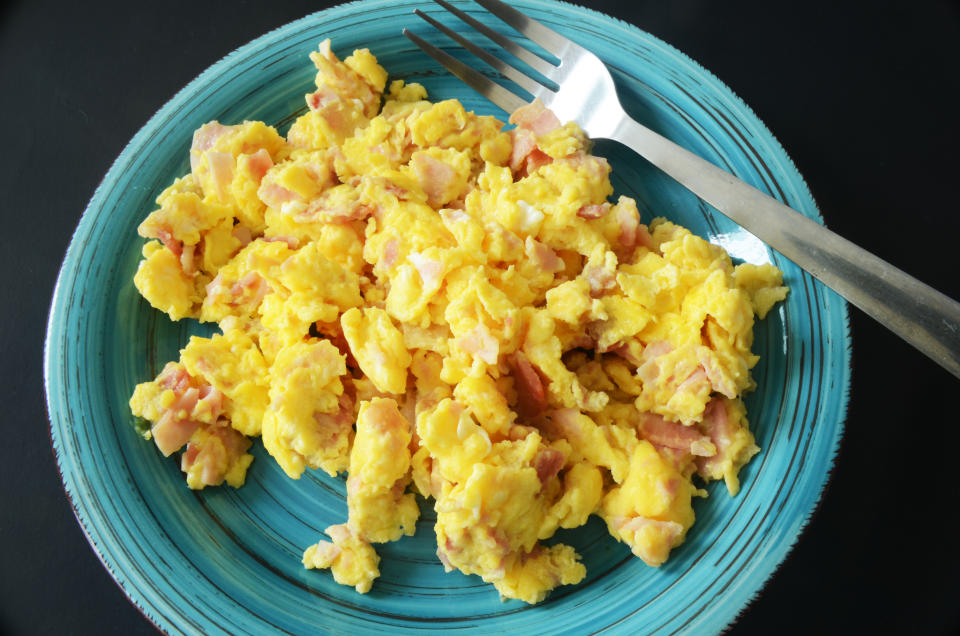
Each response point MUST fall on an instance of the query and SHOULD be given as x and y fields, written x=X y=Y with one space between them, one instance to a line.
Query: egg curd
x=437 y=307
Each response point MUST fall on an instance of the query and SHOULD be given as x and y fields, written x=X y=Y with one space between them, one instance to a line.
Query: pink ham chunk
x=435 y=178
x=335 y=210
x=216 y=455
x=661 y=537
x=170 y=433
x=334 y=425
x=536 y=118
x=274 y=195
x=431 y=271
x=548 y=462
x=600 y=279
x=717 y=425
x=593 y=211
x=633 y=233
x=531 y=397
x=203 y=139
x=543 y=256
x=321 y=97
x=391 y=252
x=649 y=368
x=260 y=162
x=481 y=344
x=524 y=142
x=166 y=237
x=660 y=432
x=221 y=170
x=192 y=400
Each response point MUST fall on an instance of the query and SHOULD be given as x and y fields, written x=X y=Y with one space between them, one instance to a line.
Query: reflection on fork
x=581 y=89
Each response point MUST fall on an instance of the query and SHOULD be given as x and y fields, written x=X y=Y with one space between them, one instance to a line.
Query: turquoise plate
x=225 y=560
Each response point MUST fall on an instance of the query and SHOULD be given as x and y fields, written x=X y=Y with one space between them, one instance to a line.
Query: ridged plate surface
x=225 y=560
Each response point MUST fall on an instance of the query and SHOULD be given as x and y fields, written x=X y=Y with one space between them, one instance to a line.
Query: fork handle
x=924 y=317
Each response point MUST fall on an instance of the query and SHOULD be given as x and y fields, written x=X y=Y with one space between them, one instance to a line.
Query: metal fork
x=583 y=91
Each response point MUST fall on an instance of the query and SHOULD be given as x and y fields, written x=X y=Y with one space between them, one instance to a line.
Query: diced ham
x=339 y=79
x=524 y=142
x=593 y=211
x=679 y=459
x=185 y=401
x=656 y=349
x=658 y=431
x=720 y=380
x=536 y=159
x=203 y=139
x=649 y=368
x=191 y=399
x=385 y=418
x=251 y=288
x=335 y=210
x=338 y=115
x=548 y=462
x=535 y=117
x=221 y=171
x=174 y=377
x=643 y=238
x=210 y=400
x=216 y=460
x=623 y=350
x=633 y=233
x=600 y=279
x=243 y=234
x=694 y=382
x=172 y=244
x=480 y=343
x=274 y=196
x=543 y=256
x=435 y=177
x=339 y=533
x=717 y=425
x=628 y=217
x=321 y=97
x=664 y=535
x=260 y=162
x=391 y=251
x=326 y=552
x=531 y=398
x=431 y=271
x=333 y=425
x=511 y=241
x=170 y=433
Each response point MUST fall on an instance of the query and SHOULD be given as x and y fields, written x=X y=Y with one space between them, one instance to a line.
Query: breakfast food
x=436 y=307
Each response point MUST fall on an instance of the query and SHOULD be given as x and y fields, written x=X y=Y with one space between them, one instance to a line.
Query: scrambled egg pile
x=436 y=306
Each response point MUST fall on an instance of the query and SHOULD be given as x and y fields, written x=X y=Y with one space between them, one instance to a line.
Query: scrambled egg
x=438 y=307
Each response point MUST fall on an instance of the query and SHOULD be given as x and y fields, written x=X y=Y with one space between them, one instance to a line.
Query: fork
x=581 y=89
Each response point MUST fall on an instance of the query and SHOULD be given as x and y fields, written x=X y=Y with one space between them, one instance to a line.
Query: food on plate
x=413 y=296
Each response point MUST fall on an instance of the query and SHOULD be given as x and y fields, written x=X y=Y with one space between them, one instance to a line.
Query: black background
x=864 y=97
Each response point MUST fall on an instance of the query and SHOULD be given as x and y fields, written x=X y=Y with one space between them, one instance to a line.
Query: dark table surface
x=864 y=97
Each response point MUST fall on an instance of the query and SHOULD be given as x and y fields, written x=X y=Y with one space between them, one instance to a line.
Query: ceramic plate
x=224 y=560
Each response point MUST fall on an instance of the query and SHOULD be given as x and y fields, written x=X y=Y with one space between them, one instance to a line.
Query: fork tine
x=535 y=61
x=480 y=83
x=532 y=86
x=542 y=35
